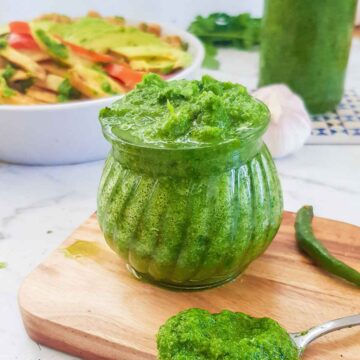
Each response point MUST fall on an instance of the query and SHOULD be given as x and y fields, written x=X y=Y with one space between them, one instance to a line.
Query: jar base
x=188 y=286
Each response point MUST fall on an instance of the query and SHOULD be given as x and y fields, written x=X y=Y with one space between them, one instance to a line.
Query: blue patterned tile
x=344 y=123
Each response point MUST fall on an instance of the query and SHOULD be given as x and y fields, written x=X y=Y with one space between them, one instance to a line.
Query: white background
x=179 y=12
x=34 y=200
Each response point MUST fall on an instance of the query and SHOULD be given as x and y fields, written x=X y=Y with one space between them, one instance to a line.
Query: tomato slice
x=125 y=74
x=19 y=27
x=20 y=36
x=22 y=41
x=89 y=54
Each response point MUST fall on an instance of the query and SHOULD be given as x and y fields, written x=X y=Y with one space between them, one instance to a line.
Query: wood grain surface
x=94 y=308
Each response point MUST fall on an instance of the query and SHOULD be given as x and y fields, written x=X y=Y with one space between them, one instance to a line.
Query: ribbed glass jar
x=189 y=218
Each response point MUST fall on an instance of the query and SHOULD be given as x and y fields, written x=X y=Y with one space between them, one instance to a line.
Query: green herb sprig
x=219 y=29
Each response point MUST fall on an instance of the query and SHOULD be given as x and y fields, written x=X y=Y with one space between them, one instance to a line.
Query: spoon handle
x=302 y=339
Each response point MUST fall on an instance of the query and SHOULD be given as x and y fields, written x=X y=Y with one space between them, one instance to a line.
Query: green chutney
x=305 y=44
x=196 y=334
x=183 y=114
x=189 y=194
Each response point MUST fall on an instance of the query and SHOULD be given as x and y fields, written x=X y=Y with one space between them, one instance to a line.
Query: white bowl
x=68 y=133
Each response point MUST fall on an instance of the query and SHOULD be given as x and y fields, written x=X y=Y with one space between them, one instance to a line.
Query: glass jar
x=305 y=44
x=189 y=218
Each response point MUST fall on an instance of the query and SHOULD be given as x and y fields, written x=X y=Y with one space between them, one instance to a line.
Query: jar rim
x=180 y=163
x=245 y=135
x=115 y=140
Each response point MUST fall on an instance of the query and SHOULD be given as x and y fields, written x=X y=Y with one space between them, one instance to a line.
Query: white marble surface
x=40 y=206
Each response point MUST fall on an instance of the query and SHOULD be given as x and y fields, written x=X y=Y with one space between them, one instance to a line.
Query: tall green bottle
x=306 y=44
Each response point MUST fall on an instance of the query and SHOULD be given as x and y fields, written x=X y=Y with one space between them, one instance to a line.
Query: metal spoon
x=304 y=338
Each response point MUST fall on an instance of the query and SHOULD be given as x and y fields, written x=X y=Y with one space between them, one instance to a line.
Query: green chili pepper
x=317 y=251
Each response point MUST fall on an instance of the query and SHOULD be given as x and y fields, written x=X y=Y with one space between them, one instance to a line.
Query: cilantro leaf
x=5 y=90
x=8 y=72
x=220 y=29
x=67 y=91
x=23 y=85
x=210 y=60
x=3 y=43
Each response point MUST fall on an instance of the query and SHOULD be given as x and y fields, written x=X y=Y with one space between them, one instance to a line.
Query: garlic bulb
x=290 y=123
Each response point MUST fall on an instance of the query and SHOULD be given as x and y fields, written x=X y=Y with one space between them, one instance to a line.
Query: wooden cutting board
x=91 y=306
